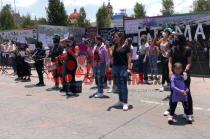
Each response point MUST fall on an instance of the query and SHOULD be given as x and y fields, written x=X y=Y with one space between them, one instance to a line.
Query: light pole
x=14 y=6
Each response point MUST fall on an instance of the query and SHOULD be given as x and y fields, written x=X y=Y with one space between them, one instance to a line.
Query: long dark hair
x=122 y=40
x=181 y=45
x=74 y=44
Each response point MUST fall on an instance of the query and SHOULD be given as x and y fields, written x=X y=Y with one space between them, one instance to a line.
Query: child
x=179 y=92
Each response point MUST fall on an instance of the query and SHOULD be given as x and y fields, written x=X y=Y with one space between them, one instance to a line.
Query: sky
x=37 y=7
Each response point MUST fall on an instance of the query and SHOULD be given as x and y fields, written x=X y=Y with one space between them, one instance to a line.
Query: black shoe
x=63 y=90
x=18 y=79
x=26 y=80
x=69 y=94
x=23 y=80
x=40 y=84
x=146 y=82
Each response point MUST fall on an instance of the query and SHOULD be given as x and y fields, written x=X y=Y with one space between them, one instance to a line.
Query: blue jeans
x=153 y=65
x=99 y=73
x=121 y=75
x=143 y=66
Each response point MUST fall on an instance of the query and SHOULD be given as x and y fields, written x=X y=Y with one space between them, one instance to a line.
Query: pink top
x=153 y=51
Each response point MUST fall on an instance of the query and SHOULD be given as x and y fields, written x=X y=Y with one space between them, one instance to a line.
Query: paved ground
x=34 y=113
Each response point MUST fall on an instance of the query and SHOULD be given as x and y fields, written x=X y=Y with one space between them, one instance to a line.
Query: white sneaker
x=118 y=104
x=161 y=89
x=125 y=107
x=109 y=91
x=190 y=119
x=166 y=113
x=98 y=95
x=170 y=119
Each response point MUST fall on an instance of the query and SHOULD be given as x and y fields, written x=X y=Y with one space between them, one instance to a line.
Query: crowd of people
x=116 y=58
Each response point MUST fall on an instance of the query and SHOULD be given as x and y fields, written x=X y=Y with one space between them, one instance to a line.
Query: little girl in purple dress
x=179 y=91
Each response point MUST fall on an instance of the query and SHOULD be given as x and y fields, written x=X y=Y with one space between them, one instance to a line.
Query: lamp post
x=14 y=6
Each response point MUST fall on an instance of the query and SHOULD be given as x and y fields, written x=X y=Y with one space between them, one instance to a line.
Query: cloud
x=183 y=6
x=20 y=3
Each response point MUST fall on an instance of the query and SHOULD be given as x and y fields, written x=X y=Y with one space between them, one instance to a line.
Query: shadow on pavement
x=52 y=89
x=103 y=97
x=130 y=107
x=71 y=96
x=180 y=121
x=94 y=88
x=30 y=86
x=167 y=98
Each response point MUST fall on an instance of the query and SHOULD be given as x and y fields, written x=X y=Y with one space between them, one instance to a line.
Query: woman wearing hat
x=164 y=45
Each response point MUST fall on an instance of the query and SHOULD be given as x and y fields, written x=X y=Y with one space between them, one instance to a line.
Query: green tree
x=7 y=20
x=201 y=5
x=82 y=21
x=168 y=7
x=139 y=10
x=102 y=17
x=56 y=13
x=42 y=21
x=28 y=22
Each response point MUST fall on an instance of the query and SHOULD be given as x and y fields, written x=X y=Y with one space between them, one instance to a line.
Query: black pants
x=71 y=86
x=174 y=105
x=105 y=80
x=165 y=71
x=26 y=69
x=39 y=69
x=189 y=99
x=20 y=68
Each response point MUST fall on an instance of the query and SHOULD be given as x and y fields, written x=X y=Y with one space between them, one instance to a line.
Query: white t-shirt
x=134 y=53
x=143 y=48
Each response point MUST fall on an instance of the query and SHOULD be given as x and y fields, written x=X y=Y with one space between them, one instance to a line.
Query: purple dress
x=178 y=84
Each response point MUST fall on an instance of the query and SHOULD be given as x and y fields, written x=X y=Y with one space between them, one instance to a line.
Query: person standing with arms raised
x=121 y=67
x=164 y=45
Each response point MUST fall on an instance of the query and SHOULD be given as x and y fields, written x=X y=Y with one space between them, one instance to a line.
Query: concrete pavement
x=34 y=113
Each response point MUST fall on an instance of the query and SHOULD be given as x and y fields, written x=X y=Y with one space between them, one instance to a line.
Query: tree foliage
x=168 y=7
x=139 y=10
x=201 y=5
x=82 y=21
x=27 y=22
x=102 y=17
x=7 y=20
x=56 y=13
x=42 y=21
